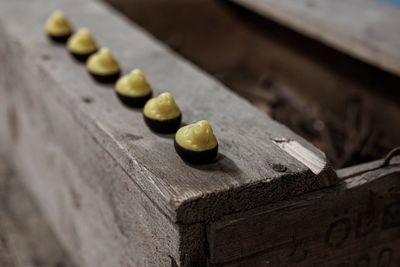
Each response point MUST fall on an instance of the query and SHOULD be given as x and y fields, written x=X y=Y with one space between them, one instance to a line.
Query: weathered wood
x=365 y=29
x=26 y=238
x=110 y=186
x=354 y=223
x=182 y=192
x=100 y=215
x=291 y=76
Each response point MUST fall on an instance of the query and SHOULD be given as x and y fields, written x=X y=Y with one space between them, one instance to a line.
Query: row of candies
x=195 y=143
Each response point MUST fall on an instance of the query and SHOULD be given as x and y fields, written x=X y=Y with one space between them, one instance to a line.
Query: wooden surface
x=354 y=224
x=251 y=55
x=26 y=239
x=91 y=202
x=111 y=187
x=246 y=173
x=366 y=29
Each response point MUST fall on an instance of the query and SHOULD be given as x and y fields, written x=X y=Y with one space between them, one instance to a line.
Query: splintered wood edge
x=315 y=163
x=182 y=199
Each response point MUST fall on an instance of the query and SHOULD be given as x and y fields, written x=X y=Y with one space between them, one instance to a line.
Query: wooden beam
x=367 y=30
x=110 y=186
x=244 y=176
x=355 y=223
x=26 y=238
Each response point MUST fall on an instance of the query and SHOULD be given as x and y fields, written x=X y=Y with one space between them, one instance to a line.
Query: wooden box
x=118 y=195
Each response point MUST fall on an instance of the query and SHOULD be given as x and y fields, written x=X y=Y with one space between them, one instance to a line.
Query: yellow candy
x=58 y=24
x=82 y=42
x=133 y=85
x=162 y=107
x=102 y=63
x=198 y=136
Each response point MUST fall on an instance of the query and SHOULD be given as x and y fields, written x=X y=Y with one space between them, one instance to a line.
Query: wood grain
x=91 y=202
x=100 y=215
x=367 y=30
x=244 y=175
x=296 y=79
x=352 y=224
x=26 y=238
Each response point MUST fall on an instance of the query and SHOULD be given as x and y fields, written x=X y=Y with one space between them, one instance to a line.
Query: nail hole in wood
x=87 y=99
x=279 y=167
x=45 y=57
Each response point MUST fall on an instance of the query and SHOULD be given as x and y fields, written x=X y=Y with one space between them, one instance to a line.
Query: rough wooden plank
x=254 y=63
x=93 y=205
x=99 y=214
x=355 y=223
x=245 y=175
x=26 y=238
x=367 y=30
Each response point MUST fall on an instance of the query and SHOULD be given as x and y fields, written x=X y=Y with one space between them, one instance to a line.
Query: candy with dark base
x=162 y=114
x=134 y=102
x=196 y=143
x=166 y=126
x=196 y=157
x=103 y=67
x=58 y=27
x=82 y=45
x=133 y=90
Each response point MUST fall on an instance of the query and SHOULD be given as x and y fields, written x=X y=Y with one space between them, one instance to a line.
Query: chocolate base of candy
x=134 y=102
x=110 y=78
x=81 y=57
x=196 y=157
x=61 y=39
x=164 y=127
